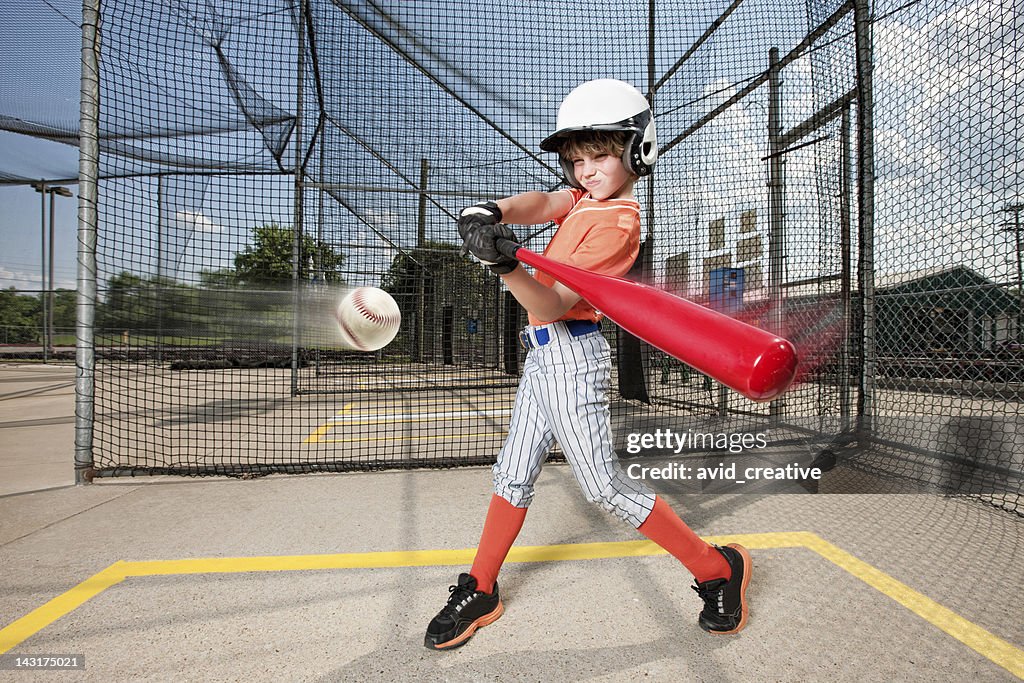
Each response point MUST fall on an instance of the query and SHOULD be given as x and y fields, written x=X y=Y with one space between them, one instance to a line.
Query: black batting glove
x=504 y=263
x=480 y=226
x=484 y=213
x=482 y=242
x=481 y=213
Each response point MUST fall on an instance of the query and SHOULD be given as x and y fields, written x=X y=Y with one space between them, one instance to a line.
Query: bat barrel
x=756 y=363
x=772 y=372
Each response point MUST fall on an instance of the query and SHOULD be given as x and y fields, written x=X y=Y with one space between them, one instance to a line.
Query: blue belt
x=576 y=328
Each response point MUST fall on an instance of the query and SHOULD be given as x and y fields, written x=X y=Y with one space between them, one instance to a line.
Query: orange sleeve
x=577 y=195
x=608 y=250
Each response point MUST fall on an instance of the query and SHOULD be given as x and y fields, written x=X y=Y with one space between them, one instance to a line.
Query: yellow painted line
x=418 y=420
x=970 y=634
x=395 y=439
x=383 y=418
x=973 y=636
x=346 y=418
x=319 y=432
x=317 y=436
x=41 y=617
x=284 y=563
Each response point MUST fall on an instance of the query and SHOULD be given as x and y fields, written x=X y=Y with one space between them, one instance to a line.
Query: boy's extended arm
x=546 y=303
x=531 y=208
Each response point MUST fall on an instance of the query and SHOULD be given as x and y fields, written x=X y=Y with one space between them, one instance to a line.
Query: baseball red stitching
x=360 y=304
x=362 y=307
x=349 y=333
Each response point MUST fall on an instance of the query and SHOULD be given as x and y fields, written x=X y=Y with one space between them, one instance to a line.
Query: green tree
x=20 y=317
x=129 y=304
x=65 y=311
x=212 y=279
x=443 y=278
x=269 y=258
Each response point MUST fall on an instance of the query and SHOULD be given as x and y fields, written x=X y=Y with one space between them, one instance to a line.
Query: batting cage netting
x=846 y=174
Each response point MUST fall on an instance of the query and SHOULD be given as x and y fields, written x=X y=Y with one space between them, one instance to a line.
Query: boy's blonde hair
x=611 y=142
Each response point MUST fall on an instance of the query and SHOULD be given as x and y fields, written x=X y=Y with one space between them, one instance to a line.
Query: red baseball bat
x=754 y=362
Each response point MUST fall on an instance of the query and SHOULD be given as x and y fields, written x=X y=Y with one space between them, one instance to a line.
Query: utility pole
x=46 y=293
x=40 y=187
x=1014 y=227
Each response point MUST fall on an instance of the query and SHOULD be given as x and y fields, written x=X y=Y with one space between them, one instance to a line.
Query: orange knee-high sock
x=664 y=527
x=501 y=527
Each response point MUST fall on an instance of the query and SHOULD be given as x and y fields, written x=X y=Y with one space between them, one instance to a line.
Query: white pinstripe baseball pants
x=563 y=397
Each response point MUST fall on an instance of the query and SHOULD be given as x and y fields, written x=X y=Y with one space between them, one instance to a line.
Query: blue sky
x=40 y=43
x=20 y=238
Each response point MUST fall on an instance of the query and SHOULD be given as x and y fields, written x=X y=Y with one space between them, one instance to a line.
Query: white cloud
x=18 y=279
x=21 y=279
x=195 y=220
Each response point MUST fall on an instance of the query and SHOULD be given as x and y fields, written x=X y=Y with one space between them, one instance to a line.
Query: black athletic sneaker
x=467 y=610
x=725 y=601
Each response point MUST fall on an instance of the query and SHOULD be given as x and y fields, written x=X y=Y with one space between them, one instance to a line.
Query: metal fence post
x=41 y=188
x=298 y=229
x=865 y=213
x=88 y=217
x=846 y=285
x=776 y=207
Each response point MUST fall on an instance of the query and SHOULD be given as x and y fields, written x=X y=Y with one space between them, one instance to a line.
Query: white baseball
x=368 y=318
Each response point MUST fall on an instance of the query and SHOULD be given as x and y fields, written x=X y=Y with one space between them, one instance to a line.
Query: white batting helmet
x=607 y=104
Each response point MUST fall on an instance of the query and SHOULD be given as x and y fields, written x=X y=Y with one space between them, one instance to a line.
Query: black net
x=259 y=160
x=948 y=244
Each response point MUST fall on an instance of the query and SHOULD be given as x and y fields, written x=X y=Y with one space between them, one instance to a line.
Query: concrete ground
x=313 y=578
x=37 y=426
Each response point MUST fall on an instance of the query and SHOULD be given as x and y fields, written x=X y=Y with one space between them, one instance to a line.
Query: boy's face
x=602 y=175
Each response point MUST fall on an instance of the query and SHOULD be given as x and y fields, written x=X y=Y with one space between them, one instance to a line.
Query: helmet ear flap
x=642 y=149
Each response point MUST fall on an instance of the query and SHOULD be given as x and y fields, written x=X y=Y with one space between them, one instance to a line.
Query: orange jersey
x=599 y=236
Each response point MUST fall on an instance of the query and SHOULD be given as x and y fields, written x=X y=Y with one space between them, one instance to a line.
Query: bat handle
x=507 y=247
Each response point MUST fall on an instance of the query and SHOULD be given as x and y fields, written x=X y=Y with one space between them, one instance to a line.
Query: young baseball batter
x=605 y=140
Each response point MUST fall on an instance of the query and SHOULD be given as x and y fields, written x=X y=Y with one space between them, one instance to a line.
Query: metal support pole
x=159 y=269
x=299 y=189
x=42 y=266
x=1017 y=208
x=776 y=207
x=421 y=224
x=48 y=348
x=88 y=218
x=1020 y=280
x=1016 y=231
x=865 y=213
x=319 y=275
x=651 y=56
x=1020 y=272
x=421 y=242
x=496 y=328
x=647 y=253
x=845 y=275
x=1015 y=228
